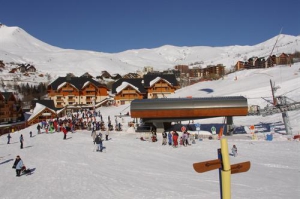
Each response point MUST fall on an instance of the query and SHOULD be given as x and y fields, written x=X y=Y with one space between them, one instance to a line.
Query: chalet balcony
x=160 y=85
x=90 y=89
x=128 y=91
x=129 y=98
x=59 y=99
x=162 y=90
x=71 y=99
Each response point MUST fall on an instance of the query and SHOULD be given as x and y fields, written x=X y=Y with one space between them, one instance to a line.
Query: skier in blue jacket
x=18 y=164
x=170 y=138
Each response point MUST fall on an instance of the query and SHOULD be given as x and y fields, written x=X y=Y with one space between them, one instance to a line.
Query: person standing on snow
x=94 y=134
x=21 y=141
x=8 y=138
x=175 y=139
x=65 y=133
x=106 y=134
x=98 y=141
x=18 y=164
x=170 y=138
x=164 y=140
x=38 y=128
x=234 y=151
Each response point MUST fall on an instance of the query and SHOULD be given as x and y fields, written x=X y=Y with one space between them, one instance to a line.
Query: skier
x=164 y=135
x=18 y=164
x=39 y=128
x=98 y=141
x=175 y=138
x=30 y=133
x=234 y=151
x=65 y=133
x=8 y=138
x=170 y=138
x=21 y=141
x=106 y=134
x=183 y=139
x=94 y=134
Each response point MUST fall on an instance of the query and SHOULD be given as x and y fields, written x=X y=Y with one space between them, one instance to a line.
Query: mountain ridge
x=16 y=45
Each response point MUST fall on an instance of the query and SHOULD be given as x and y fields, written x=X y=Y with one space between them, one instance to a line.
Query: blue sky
x=119 y=25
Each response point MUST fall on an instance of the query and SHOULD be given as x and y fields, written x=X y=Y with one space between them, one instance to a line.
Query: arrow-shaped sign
x=202 y=167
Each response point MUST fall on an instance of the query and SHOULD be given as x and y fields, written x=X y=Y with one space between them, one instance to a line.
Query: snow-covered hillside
x=132 y=169
x=16 y=45
x=255 y=86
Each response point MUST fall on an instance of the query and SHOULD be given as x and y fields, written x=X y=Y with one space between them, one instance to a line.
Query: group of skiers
x=97 y=139
x=173 y=137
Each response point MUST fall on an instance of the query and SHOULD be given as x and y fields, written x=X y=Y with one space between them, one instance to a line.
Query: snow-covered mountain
x=16 y=45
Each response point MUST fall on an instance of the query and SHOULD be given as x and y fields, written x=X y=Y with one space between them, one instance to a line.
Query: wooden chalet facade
x=218 y=70
x=150 y=86
x=10 y=108
x=76 y=91
x=160 y=85
x=261 y=62
x=27 y=68
x=43 y=110
x=126 y=90
x=284 y=59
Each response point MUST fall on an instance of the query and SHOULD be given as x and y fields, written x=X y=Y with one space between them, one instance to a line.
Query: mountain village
x=23 y=86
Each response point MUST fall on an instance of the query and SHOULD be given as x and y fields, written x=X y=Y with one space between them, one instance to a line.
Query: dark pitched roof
x=137 y=82
x=47 y=103
x=6 y=95
x=87 y=75
x=169 y=77
x=78 y=82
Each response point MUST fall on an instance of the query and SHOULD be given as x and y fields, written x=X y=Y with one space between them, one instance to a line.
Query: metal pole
x=286 y=121
x=220 y=174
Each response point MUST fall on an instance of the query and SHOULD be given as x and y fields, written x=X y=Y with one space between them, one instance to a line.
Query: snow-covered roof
x=38 y=109
x=85 y=84
x=63 y=84
x=157 y=79
x=124 y=85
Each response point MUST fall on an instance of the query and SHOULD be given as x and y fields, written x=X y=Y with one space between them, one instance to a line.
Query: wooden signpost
x=202 y=167
x=225 y=169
